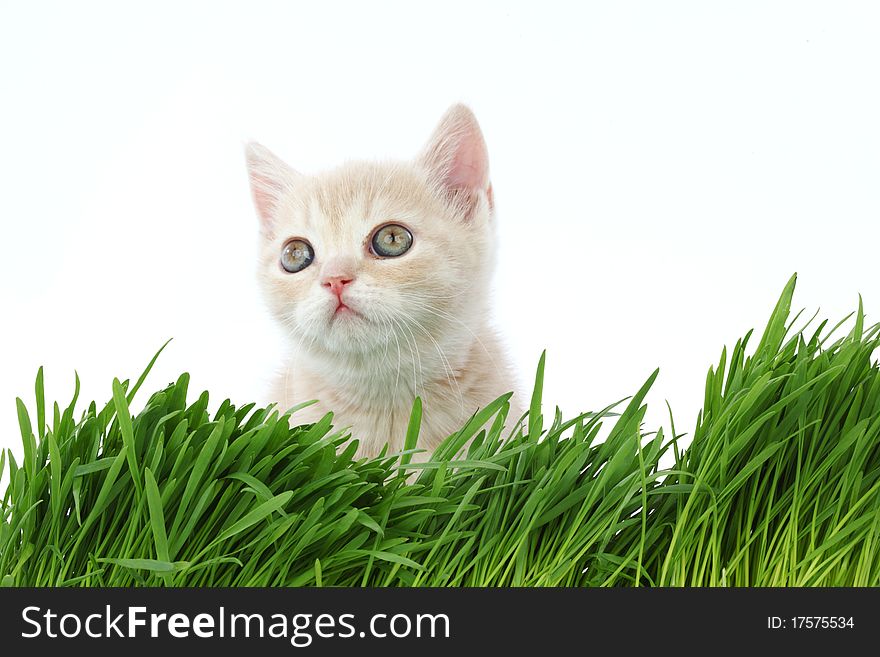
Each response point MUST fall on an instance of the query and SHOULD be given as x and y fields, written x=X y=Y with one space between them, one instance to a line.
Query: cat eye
x=296 y=255
x=391 y=240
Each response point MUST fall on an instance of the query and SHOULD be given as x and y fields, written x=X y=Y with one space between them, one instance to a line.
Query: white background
x=660 y=170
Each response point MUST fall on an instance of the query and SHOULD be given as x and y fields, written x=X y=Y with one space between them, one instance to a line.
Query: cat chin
x=346 y=334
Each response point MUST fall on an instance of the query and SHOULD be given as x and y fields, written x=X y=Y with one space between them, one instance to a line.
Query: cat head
x=371 y=254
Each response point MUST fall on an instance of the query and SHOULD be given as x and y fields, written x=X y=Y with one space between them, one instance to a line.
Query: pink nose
x=336 y=283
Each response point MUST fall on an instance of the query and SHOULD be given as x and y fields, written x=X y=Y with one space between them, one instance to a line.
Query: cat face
x=372 y=256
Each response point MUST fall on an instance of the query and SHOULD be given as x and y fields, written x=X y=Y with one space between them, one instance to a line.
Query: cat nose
x=336 y=283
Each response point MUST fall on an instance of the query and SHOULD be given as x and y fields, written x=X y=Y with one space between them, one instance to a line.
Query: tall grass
x=779 y=486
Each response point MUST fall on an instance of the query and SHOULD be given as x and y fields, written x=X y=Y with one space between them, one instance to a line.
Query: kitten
x=379 y=274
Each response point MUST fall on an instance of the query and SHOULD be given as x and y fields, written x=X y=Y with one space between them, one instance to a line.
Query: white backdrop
x=660 y=170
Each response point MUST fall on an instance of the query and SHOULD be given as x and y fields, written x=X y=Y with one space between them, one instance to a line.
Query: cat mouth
x=343 y=310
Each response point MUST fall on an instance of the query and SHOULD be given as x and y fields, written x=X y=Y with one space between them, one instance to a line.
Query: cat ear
x=270 y=176
x=457 y=159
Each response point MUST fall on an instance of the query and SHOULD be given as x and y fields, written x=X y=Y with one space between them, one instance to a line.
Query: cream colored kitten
x=379 y=274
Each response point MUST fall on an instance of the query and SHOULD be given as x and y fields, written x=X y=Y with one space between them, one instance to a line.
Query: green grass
x=780 y=486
